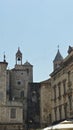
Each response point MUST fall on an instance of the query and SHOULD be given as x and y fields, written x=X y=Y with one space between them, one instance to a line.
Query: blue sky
x=37 y=27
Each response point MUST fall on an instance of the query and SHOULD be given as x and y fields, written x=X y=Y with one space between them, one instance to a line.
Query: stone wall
x=11 y=127
x=45 y=103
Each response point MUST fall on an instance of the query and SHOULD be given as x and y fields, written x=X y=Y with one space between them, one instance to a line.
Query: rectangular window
x=22 y=94
x=59 y=89
x=65 y=110
x=55 y=92
x=50 y=119
x=69 y=76
x=13 y=113
x=55 y=112
x=64 y=86
x=60 y=112
x=70 y=102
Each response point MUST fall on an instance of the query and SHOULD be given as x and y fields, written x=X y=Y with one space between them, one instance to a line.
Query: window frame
x=13 y=113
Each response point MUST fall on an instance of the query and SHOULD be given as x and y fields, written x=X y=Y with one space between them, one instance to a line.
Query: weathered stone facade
x=13 y=93
x=20 y=92
x=62 y=89
x=17 y=82
x=45 y=103
x=34 y=105
x=10 y=111
x=56 y=93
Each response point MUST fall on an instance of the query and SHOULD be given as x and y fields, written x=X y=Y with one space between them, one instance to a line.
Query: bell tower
x=18 y=57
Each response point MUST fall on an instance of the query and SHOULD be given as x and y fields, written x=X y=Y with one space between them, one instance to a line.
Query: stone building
x=56 y=93
x=62 y=87
x=10 y=111
x=18 y=78
x=24 y=101
x=35 y=105
x=13 y=93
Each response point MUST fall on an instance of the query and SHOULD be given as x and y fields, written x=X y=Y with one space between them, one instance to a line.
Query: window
x=34 y=97
x=70 y=102
x=60 y=112
x=50 y=119
x=27 y=71
x=59 y=89
x=55 y=112
x=64 y=86
x=69 y=82
x=19 y=60
x=22 y=94
x=55 y=92
x=69 y=76
x=22 y=73
x=13 y=113
x=65 y=110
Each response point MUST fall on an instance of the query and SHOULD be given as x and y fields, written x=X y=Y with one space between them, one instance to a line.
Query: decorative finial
x=18 y=48
x=58 y=47
x=4 y=57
